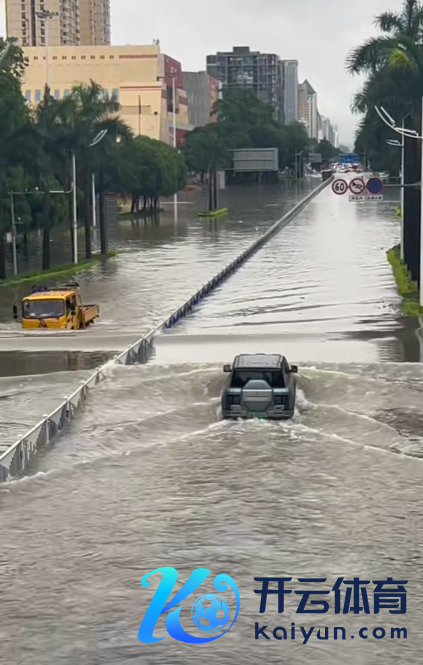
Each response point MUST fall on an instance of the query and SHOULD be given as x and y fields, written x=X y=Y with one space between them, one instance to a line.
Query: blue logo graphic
x=210 y=612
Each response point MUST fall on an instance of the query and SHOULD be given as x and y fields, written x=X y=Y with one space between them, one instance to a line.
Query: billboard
x=255 y=160
x=315 y=158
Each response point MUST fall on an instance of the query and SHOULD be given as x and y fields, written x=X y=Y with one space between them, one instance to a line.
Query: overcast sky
x=317 y=33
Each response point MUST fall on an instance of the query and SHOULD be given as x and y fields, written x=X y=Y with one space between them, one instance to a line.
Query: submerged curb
x=16 y=458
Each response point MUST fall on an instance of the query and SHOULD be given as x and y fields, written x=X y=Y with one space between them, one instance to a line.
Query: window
x=74 y=57
x=115 y=93
x=43 y=309
x=57 y=94
x=273 y=377
x=105 y=95
x=38 y=95
x=93 y=57
x=66 y=93
x=64 y=57
x=102 y=57
x=28 y=95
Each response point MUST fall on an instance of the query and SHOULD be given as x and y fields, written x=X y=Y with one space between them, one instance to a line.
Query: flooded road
x=150 y=476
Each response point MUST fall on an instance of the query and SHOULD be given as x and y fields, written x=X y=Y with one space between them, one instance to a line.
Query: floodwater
x=150 y=476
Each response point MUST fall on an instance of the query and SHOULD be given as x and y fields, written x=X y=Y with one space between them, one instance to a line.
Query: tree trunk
x=133 y=202
x=215 y=196
x=104 y=239
x=210 y=190
x=46 y=231
x=87 y=215
x=2 y=256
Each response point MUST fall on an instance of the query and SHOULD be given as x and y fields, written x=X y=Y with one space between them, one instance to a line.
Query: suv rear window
x=241 y=377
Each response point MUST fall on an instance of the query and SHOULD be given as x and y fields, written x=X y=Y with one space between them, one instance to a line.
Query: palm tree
x=393 y=63
x=86 y=113
x=46 y=139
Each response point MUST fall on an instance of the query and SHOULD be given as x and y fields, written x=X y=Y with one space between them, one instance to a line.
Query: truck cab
x=57 y=308
x=259 y=386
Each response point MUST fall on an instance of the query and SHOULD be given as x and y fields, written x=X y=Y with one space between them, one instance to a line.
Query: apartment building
x=252 y=70
x=58 y=22
x=290 y=90
x=307 y=109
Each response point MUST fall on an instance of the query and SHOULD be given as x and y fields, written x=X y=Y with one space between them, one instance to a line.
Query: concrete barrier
x=16 y=458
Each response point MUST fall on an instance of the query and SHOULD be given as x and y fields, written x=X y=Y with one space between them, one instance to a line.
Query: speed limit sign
x=339 y=187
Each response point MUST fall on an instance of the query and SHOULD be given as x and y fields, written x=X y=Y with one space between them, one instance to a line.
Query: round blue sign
x=374 y=186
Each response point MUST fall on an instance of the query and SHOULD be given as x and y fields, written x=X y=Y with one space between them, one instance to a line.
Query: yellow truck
x=58 y=307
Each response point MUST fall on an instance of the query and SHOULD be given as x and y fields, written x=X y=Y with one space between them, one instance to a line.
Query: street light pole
x=175 y=196
x=15 y=257
x=94 y=206
x=74 y=212
x=402 y=193
x=100 y=136
x=46 y=15
x=410 y=133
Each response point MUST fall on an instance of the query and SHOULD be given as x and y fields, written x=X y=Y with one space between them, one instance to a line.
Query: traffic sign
x=368 y=197
x=374 y=186
x=357 y=186
x=339 y=187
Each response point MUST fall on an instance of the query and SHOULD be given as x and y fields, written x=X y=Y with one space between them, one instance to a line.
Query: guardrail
x=17 y=457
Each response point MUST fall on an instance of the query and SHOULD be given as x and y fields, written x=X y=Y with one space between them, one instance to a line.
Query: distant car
x=260 y=386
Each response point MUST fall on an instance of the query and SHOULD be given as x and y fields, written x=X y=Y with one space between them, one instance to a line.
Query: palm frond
x=389 y=22
x=370 y=55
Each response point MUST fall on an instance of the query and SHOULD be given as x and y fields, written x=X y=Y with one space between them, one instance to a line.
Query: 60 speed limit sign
x=339 y=187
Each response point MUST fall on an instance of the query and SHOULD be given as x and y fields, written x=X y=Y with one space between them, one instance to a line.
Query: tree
x=243 y=121
x=327 y=150
x=85 y=114
x=13 y=114
x=393 y=63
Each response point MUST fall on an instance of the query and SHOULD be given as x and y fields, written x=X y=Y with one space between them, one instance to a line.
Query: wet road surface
x=150 y=476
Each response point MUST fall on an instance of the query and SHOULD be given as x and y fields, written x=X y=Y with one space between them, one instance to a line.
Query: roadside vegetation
x=407 y=289
x=392 y=63
x=36 y=147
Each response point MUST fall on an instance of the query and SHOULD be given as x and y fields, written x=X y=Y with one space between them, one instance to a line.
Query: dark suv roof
x=258 y=360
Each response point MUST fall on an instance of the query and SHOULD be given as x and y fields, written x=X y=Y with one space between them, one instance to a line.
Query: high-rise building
x=71 y=22
x=202 y=92
x=335 y=136
x=290 y=90
x=308 y=113
x=252 y=70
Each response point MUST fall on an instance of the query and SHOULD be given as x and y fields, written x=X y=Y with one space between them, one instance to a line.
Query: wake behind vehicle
x=260 y=386
x=58 y=307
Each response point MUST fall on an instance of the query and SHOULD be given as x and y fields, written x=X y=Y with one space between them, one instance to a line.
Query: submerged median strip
x=16 y=458
x=407 y=289
x=57 y=271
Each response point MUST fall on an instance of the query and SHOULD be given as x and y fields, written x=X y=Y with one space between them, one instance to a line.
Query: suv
x=260 y=386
